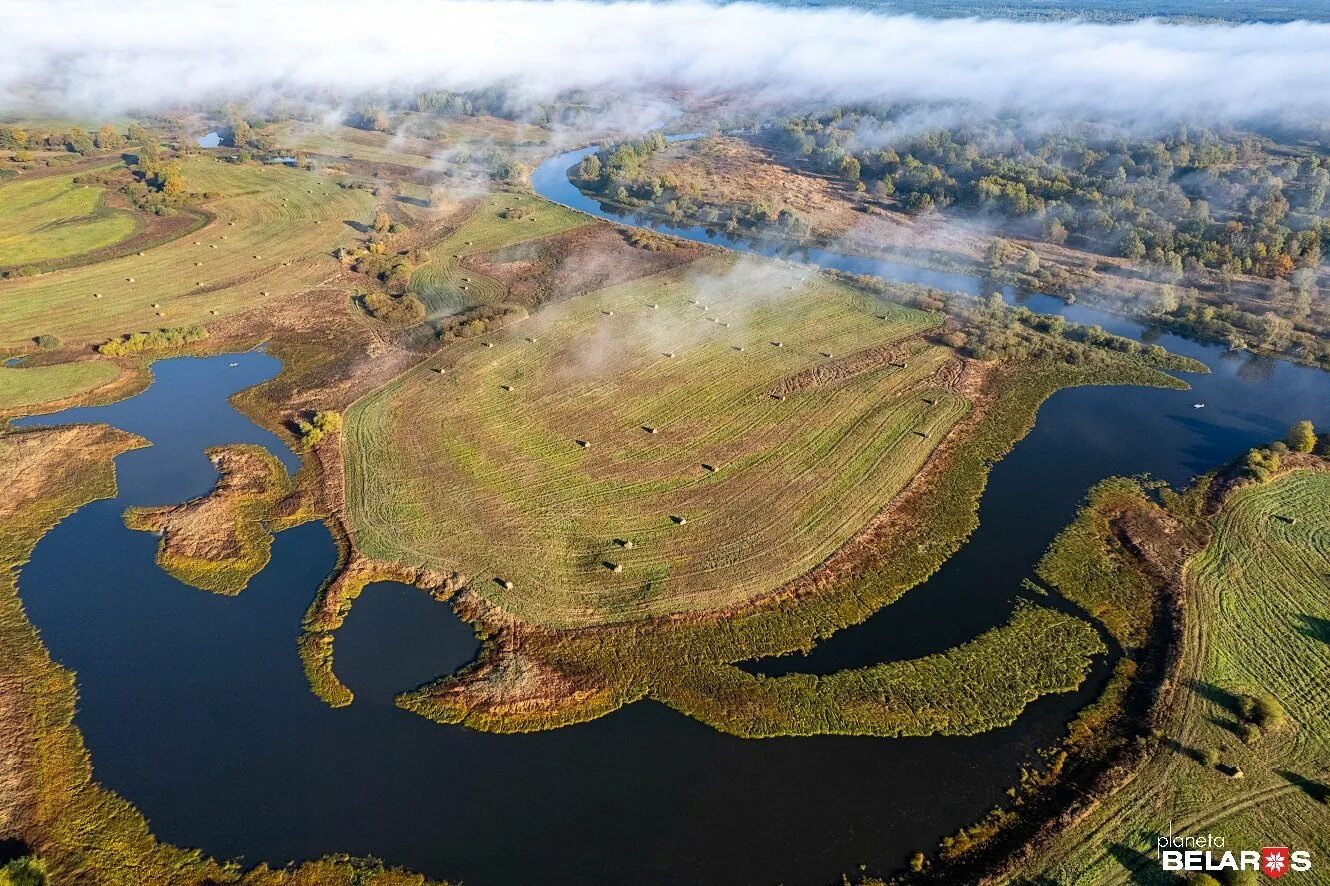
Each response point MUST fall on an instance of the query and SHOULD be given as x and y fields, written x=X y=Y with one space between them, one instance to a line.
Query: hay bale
x=129 y=279
x=678 y=520
x=710 y=469
x=507 y=388
x=778 y=344
x=585 y=444
x=649 y=429
x=613 y=567
x=929 y=401
x=921 y=434
x=625 y=543
x=778 y=396
x=669 y=353
x=488 y=344
x=155 y=305
x=503 y=583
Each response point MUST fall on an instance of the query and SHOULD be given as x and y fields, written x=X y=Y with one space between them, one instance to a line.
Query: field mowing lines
x=222 y=267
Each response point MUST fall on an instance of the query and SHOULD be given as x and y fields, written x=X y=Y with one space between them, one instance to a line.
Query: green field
x=1258 y=621
x=24 y=387
x=274 y=230
x=456 y=471
x=53 y=218
x=445 y=287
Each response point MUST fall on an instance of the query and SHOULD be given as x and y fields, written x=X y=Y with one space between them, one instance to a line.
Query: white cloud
x=95 y=56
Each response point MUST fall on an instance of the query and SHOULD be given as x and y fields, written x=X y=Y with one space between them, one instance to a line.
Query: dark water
x=195 y=709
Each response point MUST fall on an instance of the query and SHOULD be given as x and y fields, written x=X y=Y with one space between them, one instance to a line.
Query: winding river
x=195 y=709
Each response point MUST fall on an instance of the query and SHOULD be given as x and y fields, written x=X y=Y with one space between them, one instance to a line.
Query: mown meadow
x=1243 y=754
x=55 y=217
x=272 y=236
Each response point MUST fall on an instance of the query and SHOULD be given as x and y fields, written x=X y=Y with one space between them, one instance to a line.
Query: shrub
x=158 y=340
x=1210 y=758
x=47 y=342
x=323 y=424
x=25 y=871
x=1264 y=710
x=395 y=310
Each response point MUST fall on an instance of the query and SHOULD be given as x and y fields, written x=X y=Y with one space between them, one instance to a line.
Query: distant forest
x=1095 y=10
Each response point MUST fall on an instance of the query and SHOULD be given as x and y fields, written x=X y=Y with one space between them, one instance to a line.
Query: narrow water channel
x=194 y=707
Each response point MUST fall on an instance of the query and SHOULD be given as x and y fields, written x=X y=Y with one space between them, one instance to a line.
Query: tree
x=382 y=222
x=324 y=424
x=78 y=141
x=1302 y=437
x=241 y=134
x=1210 y=758
x=917 y=862
x=108 y=139
x=1030 y=264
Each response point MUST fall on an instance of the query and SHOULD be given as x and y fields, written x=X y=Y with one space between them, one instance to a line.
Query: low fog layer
x=93 y=56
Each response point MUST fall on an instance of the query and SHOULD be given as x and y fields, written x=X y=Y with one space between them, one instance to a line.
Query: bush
x=1210 y=758
x=395 y=310
x=47 y=342
x=26 y=871
x=158 y=340
x=322 y=425
x=1264 y=710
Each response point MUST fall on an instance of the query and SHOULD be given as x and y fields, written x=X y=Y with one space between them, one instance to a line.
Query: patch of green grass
x=445 y=287
x=25 y=387
x=55 y=218
x=1257 y=622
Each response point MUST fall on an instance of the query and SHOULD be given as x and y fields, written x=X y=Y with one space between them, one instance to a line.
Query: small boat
x=233 y=364
x=1198 y=406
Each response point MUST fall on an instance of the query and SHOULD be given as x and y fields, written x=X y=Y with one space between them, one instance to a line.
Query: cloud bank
x=94 y=56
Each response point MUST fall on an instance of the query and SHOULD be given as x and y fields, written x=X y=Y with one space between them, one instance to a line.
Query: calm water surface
x=195 y=709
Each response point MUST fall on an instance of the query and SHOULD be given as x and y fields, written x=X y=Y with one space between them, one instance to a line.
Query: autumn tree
x=107 y=138
x=1302 y=437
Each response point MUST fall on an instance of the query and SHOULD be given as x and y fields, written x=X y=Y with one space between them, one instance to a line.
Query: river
x=195 y=709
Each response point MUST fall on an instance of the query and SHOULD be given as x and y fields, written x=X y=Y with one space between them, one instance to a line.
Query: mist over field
x=88 y=56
